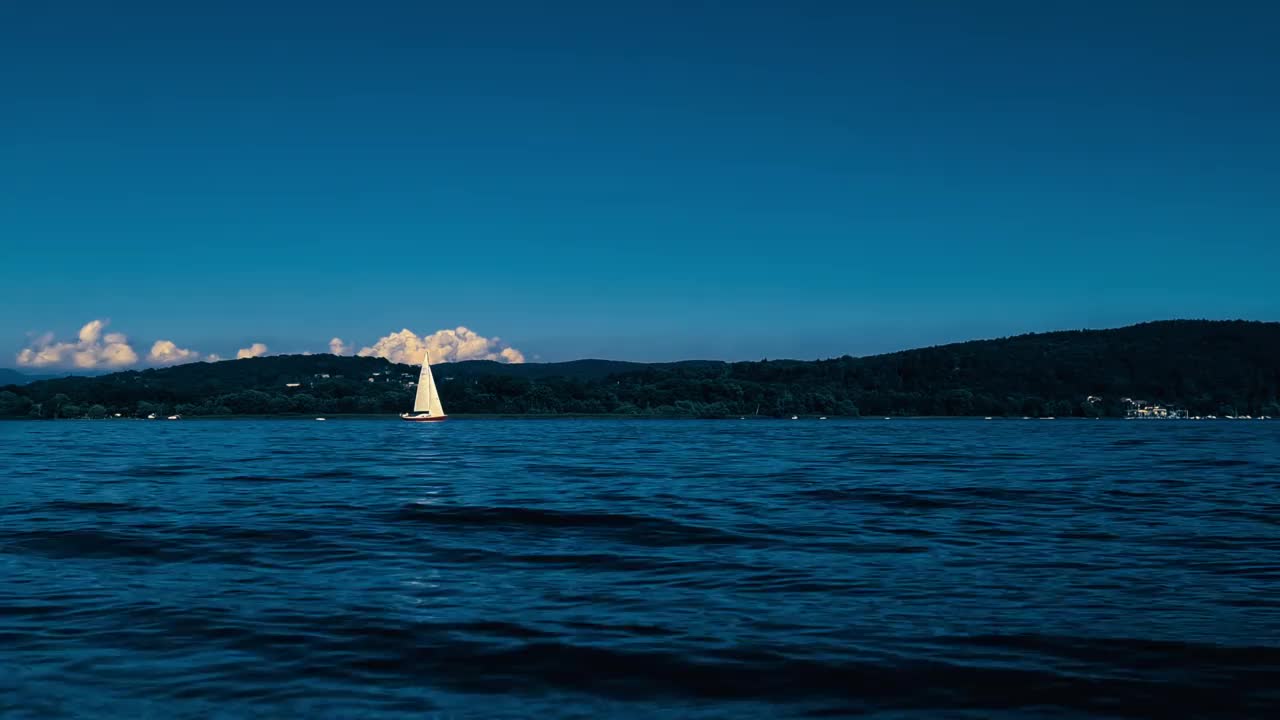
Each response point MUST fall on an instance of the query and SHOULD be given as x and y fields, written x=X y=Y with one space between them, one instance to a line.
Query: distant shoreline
x=645 y=418
x=1191 y=368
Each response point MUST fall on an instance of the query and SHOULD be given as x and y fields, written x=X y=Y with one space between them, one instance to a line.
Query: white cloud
x=444 y=346
x=91 y=331
x=166 y=352
x=253 y=351
x=95 y=348
x=92 y=349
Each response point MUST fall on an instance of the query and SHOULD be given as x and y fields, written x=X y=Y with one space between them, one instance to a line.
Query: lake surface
x=589 y=568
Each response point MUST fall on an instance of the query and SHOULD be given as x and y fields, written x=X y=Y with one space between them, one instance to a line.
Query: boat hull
x=413 y=417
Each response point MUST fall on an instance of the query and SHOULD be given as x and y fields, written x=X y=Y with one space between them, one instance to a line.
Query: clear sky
x=647 y=180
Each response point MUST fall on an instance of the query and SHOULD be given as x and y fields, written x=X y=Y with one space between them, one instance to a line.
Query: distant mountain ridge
x=1206 y=366
x=588 y=369
x=13 y=377
x=17 y=377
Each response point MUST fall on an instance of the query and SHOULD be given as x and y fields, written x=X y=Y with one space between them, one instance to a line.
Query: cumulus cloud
x=253 y=351
x=92 y=349
x=444 y=346
x=166 y=352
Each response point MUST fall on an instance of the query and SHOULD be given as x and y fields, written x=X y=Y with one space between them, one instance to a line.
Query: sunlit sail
x=426 y=404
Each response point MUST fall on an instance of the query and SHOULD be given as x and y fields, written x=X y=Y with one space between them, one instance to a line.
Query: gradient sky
x=644 y=181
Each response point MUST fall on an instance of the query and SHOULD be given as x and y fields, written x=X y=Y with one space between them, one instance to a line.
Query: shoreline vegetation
x=1205 y=368
x=558 y=416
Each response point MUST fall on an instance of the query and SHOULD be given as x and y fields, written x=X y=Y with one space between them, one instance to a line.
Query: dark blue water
x=565 y=568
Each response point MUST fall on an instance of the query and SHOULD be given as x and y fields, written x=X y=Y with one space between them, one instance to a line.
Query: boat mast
x=426 y=365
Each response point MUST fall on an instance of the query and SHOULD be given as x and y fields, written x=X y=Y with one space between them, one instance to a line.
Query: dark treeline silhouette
x=1206 y=367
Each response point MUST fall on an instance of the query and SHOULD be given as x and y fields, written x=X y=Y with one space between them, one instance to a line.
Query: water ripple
x=639 y=569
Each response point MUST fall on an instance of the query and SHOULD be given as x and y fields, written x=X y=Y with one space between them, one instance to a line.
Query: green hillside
x=1207 y=367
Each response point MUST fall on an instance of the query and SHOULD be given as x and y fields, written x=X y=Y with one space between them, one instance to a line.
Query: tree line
x=1204 y=367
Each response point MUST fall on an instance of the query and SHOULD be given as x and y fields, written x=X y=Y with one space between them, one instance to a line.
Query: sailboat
x=426 y=404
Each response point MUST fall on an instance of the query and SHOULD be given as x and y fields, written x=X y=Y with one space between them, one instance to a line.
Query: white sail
x=428 y=398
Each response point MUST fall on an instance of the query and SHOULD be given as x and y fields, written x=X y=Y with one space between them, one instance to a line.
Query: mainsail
x=428 y=398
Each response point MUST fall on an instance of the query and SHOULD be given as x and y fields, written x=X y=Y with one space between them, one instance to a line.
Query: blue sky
x=646 y=181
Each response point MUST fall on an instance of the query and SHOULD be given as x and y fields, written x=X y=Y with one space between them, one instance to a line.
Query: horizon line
x=93 y=372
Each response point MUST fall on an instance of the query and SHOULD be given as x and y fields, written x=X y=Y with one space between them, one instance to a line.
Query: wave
x=93 y=506
x=101 y=543
x=1171 y=679
x=937 y=570
x=639 y=529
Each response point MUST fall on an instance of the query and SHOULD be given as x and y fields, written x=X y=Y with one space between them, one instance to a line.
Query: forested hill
x=1206 y=367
